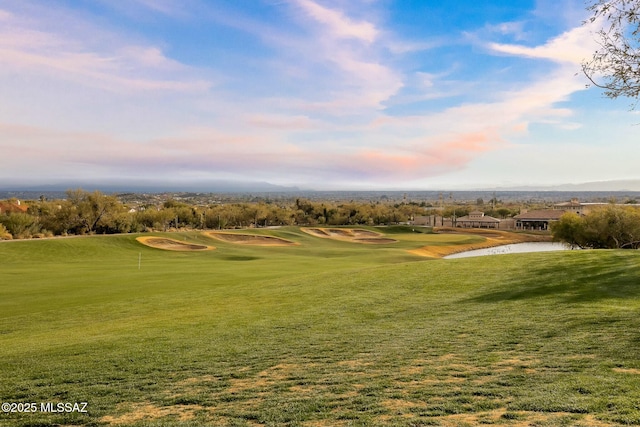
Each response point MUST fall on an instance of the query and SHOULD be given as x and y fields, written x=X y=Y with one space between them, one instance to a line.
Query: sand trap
x=172 y=244
x=375 y=240
x=250 y=239
x=355 y=235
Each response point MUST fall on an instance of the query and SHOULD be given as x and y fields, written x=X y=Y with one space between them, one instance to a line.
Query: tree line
x=83 y=212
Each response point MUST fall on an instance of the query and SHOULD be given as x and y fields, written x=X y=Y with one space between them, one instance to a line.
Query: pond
x=514 y=248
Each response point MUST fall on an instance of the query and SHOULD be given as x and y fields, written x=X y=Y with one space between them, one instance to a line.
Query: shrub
x=4 y=233
x=612 y=227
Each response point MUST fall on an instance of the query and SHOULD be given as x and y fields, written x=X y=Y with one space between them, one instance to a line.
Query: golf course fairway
x=321 y=332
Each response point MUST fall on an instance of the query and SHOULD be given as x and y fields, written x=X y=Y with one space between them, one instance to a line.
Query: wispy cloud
x=358 y=76
x=150 y=10
x=572 y=46
x=322 y=93
x=78 y=58
x=515 y=29
x=167 y=7
x=340 y=26
x=282 y=122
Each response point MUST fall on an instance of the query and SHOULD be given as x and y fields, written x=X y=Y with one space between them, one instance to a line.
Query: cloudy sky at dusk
x=323 y=94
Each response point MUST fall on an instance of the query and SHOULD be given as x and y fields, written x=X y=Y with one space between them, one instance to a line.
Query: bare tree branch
x=615 y=65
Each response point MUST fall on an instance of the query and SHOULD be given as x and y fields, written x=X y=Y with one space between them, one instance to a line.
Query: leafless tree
x=615 y=65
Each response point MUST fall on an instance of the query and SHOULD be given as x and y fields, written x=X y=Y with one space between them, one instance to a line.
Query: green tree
x=46 y=213
x=503 y=212
x=87 y=212
x=162 y=218
x=570 y=229
x=612 y=227
x=20 y=225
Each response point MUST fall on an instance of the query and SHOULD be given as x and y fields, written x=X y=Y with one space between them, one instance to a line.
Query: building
x=538 y=219
x=572 y=206
x=428 y=220
x=477 y=219
x=12 y=206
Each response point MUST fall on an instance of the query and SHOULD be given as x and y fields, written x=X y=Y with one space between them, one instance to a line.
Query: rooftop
x=542 y=214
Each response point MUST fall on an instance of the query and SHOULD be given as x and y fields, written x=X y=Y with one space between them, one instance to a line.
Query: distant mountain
x=154 y=187
x=619 y=185
x=583 y=191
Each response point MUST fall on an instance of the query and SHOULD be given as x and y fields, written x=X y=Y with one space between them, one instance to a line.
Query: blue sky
x=322 y=94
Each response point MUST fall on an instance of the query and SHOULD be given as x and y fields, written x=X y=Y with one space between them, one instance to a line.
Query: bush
x=4 y=233
x=610 y=227
x=20 y=225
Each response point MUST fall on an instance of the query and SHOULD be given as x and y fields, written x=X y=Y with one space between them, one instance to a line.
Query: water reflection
x=514 y=248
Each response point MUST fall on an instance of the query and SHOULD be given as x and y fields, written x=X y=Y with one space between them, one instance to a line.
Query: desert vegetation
x=606 y=227
x=83 y=212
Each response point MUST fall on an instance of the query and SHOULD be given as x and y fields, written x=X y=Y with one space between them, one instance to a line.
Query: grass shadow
x=585 y=278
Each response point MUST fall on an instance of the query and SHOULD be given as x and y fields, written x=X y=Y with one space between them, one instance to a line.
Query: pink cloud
x=272 y=137
x=5 y=16
x=476 y=142
x=213 y=152
x=281 y=122
x=430 y=159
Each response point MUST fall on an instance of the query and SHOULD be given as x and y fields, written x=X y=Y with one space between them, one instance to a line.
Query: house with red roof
x=11 y=206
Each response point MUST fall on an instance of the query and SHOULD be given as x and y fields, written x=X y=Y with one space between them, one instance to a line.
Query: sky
x=318 y=94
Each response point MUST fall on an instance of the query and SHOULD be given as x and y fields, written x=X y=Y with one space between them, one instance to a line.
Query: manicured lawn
x=326 y=333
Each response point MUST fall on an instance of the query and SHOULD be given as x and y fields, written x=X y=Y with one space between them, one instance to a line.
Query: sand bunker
x=171 y=244
x=250 y=239
x=375 y=240
x=355 y=235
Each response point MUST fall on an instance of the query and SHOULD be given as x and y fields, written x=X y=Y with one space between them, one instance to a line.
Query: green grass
x=325 y=333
